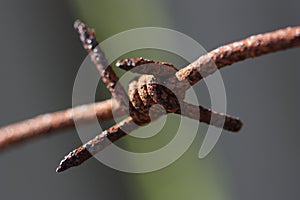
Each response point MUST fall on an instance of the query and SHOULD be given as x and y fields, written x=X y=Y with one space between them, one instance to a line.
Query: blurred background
x=39 y=57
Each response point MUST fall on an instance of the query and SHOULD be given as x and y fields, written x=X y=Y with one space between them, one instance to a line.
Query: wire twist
x=160 y=88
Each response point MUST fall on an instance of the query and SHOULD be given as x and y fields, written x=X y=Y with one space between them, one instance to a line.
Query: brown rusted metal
x=149 y=90
x=145 y=66
x=250 y=47
x=208 y=116
x=143 y=93
x=43 y=124
x=97 y=144
x=165 y=86
x=109 y=77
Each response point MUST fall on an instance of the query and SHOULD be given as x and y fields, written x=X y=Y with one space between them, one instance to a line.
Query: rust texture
x=43 y=124
x=208 y=116
x=148 y=90
x=95 y=145
x=145 y=92
x=250 y=47
x=163 y=84
x=145 y=66
x=110 y=79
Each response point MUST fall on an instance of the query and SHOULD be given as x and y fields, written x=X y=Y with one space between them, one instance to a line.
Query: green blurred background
x=40 y=56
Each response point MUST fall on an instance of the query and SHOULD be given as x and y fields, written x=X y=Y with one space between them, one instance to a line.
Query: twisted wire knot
x=147 y=91
x=161 y=87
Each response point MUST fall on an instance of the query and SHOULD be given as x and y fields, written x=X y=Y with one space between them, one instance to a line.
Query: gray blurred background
x=40 y=55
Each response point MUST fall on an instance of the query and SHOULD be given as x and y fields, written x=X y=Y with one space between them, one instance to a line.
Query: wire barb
x=145 y=92
x=109 y=77
x=97 y=144
x=149 y=90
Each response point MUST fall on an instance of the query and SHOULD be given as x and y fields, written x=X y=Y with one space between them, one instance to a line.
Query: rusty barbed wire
x=141 y=92
x=148 y=90
x=97 y=144
x=223 y=56
x=144 y=92
x=109 y=77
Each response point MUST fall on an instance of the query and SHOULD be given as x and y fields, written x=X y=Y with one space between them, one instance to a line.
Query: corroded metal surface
x=109 y=77
x=163 y=85
x=250 y=47
x=149 y=90
x=43 y=124
x=95 y=145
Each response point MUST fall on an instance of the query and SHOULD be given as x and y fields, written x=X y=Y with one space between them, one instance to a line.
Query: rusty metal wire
x=53 y=122
x=250 y=47
x=145 y=92
x=148 y=90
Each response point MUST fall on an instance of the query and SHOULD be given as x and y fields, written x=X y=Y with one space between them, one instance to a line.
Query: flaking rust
x=154 y=88
x=143 y=93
